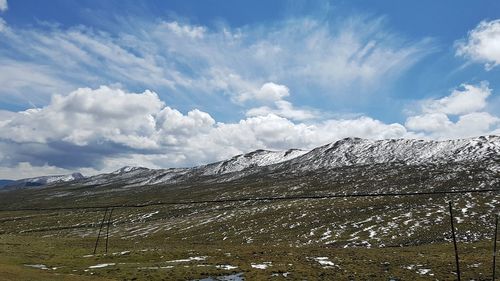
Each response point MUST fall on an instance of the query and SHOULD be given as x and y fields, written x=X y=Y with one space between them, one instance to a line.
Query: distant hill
x=38 y=181
x=5 y=182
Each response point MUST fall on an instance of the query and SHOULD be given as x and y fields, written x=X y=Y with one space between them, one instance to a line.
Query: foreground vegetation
x=154 y=259
x=362 y=238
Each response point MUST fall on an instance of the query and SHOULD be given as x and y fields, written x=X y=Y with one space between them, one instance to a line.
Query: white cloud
x=3 y=5
x=273 y=95
x=26 y=170
x=482 y=44
x=269 y=92
x=3 y=25
x=25 y=81
x=90 y=116
x=432 y=122
x=467 y=99
x=175 y=123
x=467 y=104
x=284 y=109
x=184 y=30
x=437 y=125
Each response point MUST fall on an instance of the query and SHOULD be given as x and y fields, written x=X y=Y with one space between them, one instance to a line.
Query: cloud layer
x=88 y=128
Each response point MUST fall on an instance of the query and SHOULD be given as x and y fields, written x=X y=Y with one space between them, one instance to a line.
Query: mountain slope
x=257 y=158
x=137 y=176
x=175 y=219
x=42 y=181
x=342 y=153
x=356 y=151
x=6 y=182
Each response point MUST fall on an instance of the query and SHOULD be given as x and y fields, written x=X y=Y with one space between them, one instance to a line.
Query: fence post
x=107 y=228
x=495 y=246
x=454 y=241
x=100 y=229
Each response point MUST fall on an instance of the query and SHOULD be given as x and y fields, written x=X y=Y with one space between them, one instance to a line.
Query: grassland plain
x=361 y=238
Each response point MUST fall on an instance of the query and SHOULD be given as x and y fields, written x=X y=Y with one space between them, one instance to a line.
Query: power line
x=278 y=198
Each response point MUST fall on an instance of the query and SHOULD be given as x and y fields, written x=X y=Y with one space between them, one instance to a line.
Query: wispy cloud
x=355 y=55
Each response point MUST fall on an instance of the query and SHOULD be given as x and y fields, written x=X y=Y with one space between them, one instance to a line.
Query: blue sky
x=96 y=85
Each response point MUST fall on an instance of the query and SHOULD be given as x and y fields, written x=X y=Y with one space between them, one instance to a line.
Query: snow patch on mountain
x=257 y=158
x=356 y=151
x=136 y=176
x=42 y=181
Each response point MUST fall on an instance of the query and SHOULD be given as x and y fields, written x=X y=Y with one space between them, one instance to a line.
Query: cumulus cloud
x=438 y=125
x=273 y=96
x=432 y=122
x=269 y=92
x=90 y=116
x=482 y=44
x=466 y=99
x=284 y=109
x=104 y=128
x=467 y=104
x=3 y=5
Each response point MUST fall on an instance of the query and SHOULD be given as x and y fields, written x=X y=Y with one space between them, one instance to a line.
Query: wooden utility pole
x=495 y=246
x=107 y=229
x=100 y=229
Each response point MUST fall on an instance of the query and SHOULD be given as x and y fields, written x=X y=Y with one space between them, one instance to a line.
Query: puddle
x=232 y=277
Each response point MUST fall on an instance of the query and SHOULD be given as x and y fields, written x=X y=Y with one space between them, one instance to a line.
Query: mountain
x=5 y=182
x=140 y=176
x=342 y=153
x=257 y=158
x=135 y=176
x=356 y=151
x=41 y=181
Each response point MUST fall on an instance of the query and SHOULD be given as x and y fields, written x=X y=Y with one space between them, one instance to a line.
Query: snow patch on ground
x=264 y=265
x=39 y=266
x=226 y=266
x=101 y=265
x=201 y=258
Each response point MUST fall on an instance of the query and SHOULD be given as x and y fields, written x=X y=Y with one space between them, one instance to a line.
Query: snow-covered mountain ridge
x=356 y=151
x=345 y=152
x=136 y=176
x=43 y=180
x=257 y=158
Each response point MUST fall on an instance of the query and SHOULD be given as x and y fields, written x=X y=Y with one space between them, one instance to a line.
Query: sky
x=92 y=86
